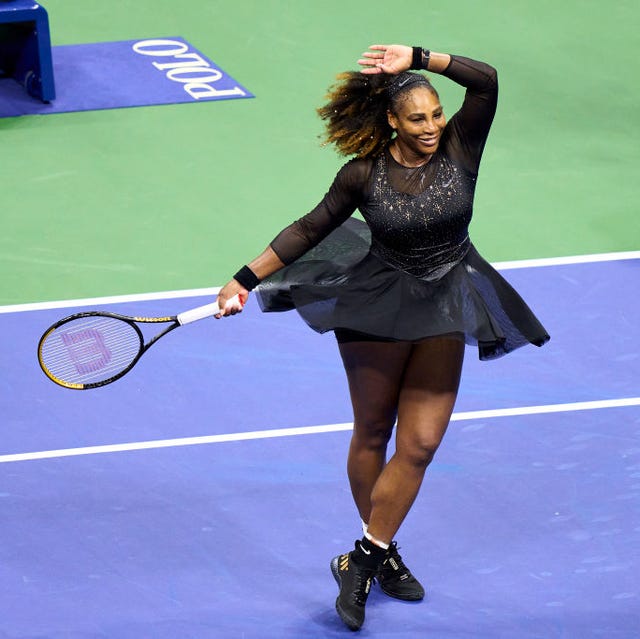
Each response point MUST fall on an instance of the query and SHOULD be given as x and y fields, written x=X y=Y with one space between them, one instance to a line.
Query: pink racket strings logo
x=87 y=350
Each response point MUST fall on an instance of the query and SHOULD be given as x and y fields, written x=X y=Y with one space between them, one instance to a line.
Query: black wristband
x=416 y=60
x=247 y=278
x=420 y=58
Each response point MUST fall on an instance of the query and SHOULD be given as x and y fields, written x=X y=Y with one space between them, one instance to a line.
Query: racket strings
x=90 y=349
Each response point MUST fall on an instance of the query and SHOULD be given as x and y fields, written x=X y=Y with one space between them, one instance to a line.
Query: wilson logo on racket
x=88 y=350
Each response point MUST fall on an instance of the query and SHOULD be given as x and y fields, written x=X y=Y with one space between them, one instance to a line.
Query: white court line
x=561 y=261
x=308 y=430
x=201 y=292
x=113 y=299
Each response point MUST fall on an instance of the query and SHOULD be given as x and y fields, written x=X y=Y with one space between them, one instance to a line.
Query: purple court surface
x=199 y=498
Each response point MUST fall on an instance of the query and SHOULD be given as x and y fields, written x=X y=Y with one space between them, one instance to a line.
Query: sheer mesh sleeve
x=342 y=199
x=469 y=128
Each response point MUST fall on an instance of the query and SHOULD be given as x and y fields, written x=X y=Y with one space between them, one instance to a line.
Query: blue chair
x=25 y=47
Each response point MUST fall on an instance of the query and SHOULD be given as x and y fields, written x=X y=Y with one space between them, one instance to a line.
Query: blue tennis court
x=204 y=494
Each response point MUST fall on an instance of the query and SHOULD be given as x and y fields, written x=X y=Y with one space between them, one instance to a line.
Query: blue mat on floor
x=114 y=75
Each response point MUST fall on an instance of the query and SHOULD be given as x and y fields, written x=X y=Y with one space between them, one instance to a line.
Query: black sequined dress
x=409 y=271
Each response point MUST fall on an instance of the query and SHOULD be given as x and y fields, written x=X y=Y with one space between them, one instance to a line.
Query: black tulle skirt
x=339 y=284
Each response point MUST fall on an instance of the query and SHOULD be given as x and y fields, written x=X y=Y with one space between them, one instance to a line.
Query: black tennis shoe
x=354 y=581
x=396 y=579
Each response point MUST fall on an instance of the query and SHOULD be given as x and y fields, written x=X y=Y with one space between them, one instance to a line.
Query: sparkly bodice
x=423 y=233
x=418 y=217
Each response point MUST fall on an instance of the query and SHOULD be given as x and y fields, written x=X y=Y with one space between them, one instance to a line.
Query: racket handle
x=200 y=312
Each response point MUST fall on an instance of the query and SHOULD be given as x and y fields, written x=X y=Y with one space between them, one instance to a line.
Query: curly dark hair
x=355 y=114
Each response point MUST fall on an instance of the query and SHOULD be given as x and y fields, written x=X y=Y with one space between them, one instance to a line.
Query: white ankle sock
x=375 y=541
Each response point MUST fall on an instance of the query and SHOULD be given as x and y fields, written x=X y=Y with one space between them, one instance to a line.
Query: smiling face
x=418 y=120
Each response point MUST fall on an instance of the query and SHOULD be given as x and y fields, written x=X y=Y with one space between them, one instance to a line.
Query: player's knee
x=420 y=449
x=373 y=433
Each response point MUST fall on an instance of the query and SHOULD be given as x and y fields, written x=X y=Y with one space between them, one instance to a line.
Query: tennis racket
x=92 y=349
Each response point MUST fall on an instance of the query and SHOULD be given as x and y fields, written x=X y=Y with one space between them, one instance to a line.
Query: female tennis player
x=403 y=291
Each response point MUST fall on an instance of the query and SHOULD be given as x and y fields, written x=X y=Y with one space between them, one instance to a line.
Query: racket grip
x=200 y=312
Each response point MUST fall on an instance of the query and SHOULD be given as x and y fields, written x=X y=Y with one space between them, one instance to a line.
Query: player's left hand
x=386 y=58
